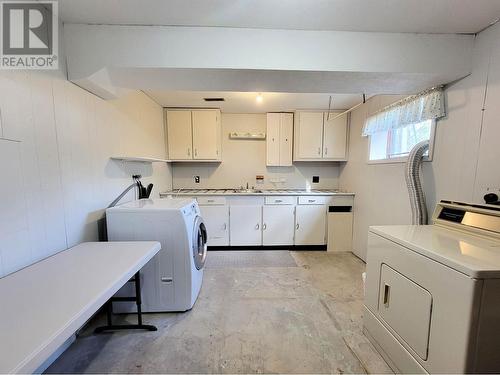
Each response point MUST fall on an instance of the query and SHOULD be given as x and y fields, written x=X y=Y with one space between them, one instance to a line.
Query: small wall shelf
x=245 y=135
x=139 y=159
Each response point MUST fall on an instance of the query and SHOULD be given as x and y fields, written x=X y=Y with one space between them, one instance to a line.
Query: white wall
x=57 y=176
x=244 y=159
x=466 y=151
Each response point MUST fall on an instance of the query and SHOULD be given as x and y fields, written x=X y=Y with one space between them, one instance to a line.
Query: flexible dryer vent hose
x=417 y=197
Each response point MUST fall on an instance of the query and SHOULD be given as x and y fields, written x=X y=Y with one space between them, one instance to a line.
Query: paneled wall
x=466 y=152
x=57 y=178
x=242 y=160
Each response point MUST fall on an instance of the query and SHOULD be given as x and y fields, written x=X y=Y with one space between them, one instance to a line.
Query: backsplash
x=243 y=160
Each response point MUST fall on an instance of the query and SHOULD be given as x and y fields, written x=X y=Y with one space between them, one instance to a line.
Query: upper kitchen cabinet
x=334 y=136
x=279 y=139
x=316 y=138
x=179 y=135
x=308 y=136
x=194 y=134
x=206 y=134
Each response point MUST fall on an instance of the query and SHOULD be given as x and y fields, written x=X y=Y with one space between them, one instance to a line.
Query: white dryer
x=432 y=302
x=172 y=280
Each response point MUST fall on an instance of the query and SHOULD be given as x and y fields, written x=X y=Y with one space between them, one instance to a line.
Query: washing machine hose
x=415 y=191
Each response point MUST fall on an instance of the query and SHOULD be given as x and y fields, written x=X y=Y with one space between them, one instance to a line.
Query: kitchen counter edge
x=263 y=194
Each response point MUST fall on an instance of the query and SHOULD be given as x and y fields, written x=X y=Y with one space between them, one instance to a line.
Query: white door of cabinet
x=278 y=225
x=335 y=136
x=309 y=135
x=179 y=135
x=273 y=139
x=279 y=139
x=245 y=225
x=310 y=224
x=286 y=136
x=216 y=220
x=206 y=134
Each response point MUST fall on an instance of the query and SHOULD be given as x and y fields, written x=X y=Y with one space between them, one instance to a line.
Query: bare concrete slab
x=296 y=319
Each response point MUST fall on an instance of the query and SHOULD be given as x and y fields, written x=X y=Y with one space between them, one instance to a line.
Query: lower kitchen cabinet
x=277 y=225
x=245 y=223
x=216 y=220
x=310 y=225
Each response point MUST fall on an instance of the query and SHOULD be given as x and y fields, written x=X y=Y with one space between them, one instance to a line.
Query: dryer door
x=199 y=243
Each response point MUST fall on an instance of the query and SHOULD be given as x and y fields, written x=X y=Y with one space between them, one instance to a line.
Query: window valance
x=428 y=105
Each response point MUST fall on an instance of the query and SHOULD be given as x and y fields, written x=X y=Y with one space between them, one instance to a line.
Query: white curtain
x=427 y=105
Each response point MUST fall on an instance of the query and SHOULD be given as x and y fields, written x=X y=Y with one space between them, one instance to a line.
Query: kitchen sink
x=248 y=191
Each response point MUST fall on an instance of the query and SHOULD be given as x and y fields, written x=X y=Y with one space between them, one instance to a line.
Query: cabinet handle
x=264 y=226
x=312 y=200
x=278 y=201
x=195 y=152
x=319 y=150
x=297 y=226
x=257 y=226
x=326 y=150
x=167 y=279
x=210 y=200
x=387 y=294
x=189 y=151
x=224 y=226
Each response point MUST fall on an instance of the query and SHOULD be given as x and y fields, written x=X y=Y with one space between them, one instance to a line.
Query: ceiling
x=415 y=16
x=245 y=102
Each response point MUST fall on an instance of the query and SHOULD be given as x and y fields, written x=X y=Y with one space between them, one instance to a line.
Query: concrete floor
x=304 y=319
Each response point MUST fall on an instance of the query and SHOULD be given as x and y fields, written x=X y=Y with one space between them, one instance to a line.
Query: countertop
x=262 y=192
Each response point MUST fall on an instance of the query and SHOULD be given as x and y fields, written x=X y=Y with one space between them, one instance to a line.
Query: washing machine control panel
x=192 y=209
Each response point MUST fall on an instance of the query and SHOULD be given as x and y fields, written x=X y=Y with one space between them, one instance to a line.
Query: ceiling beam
x=100 y=57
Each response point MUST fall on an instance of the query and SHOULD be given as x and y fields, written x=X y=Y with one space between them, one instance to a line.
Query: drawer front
x=280 y=200
x=311 y=199
x=211 y=201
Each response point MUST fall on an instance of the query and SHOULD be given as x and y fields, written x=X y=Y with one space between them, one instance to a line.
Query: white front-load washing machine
x=172 y=280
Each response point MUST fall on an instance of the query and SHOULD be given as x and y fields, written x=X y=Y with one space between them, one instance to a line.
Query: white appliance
x=172 y=280
x=432 y=302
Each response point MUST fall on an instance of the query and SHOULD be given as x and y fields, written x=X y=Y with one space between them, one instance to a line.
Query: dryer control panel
x=474 y=218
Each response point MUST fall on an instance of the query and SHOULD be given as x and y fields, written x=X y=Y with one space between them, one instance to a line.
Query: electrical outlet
x=315 y=179
x=196 y=179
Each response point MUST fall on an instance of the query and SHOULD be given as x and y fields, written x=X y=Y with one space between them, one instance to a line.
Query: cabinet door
x=310 y=225
x=273 y=139
x=216 y=220
x=277 y=225
x=335 y=137
x=309 y=135
x=206 y=134
x=286 y=136
x=179 y=134
x=245 y=225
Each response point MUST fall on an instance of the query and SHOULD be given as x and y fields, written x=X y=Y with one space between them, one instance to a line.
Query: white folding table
x=43 y=305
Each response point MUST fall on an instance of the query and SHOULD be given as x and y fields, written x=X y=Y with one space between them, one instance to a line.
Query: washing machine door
x=199 y=243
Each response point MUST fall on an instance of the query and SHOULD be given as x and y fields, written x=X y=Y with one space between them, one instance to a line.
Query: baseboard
x=264 y=248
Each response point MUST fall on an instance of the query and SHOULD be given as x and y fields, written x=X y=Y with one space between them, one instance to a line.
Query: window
x=396 y=144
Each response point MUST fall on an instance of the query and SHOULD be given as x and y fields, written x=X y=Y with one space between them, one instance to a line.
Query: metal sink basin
x=248 y=191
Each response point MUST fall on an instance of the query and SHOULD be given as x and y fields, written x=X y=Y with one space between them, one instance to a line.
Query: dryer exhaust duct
x=415 y=191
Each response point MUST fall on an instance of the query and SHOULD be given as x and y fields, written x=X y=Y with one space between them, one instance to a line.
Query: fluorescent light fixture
x=259 y=98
